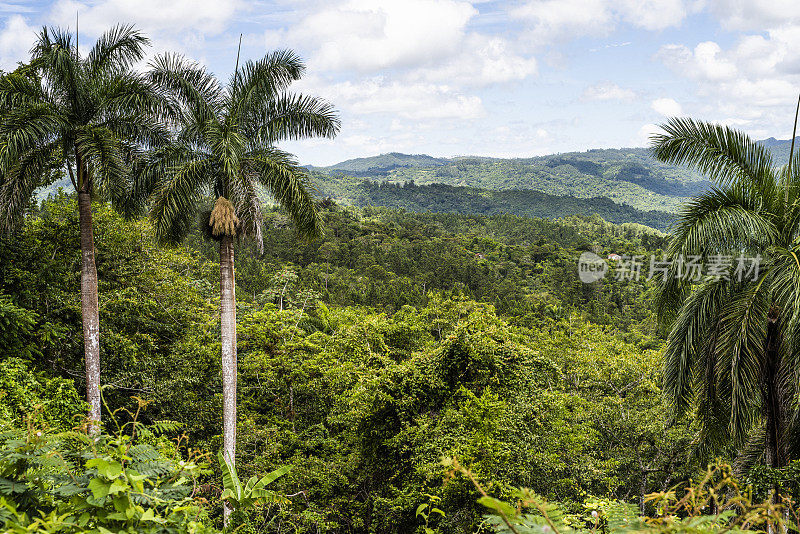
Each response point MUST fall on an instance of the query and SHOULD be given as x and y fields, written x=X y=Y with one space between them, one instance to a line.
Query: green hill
x=625 y=176
x=780 y=148
x=443 y=198
x=621 y=185
x=382 y=165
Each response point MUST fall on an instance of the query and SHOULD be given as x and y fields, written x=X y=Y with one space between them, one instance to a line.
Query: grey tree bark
x=229 y=364
x=90 y=310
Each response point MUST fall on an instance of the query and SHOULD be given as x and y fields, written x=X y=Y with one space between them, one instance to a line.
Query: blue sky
x=451 y=77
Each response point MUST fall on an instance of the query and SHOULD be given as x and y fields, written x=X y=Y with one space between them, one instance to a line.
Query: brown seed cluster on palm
x=223 y=219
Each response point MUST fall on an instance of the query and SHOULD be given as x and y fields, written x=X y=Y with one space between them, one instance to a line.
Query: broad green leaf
x=498 y=506
x=99 y=488
x=118 y=486
x=107 y=468
x=230 y=479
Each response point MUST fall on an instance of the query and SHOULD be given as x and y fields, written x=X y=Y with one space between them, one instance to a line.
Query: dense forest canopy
x=417 y=349
x=365 y=357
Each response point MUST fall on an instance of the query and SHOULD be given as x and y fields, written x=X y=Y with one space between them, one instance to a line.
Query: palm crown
x=92 y=117
x=733 y=345
x=226 y=145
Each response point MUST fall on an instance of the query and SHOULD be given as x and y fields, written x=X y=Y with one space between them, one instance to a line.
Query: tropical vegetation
x=225 y=151
x=94 y=118
x=382 y=370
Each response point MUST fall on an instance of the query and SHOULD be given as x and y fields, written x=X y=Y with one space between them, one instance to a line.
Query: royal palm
x=91 y=118
x=732 y=351
x=226 y=151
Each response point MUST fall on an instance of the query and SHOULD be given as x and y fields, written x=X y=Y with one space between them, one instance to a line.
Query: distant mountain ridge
x=626 y=176
x=381 y=163
x=393 y=160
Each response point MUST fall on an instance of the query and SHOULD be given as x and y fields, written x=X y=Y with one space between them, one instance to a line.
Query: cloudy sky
x=450 y=77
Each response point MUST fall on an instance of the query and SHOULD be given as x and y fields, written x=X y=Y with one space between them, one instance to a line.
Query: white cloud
x=652 y=14
x=556 y=20
x=752 y=83
x=211 y=17
x=16 y=39
x=607 y=91
x=553 y=20
x=667 y=107
x=645 y=133
x=482 y=61
x=756 y=14
x=370 y=35
x=705 y=62
x=419 y=101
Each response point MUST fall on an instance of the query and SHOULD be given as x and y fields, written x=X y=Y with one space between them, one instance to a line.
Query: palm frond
x=262 y=80
x=196 y=91
x=723 y=154
x=722 y=221
x=248 y=207
x=696 y=319
x=743 y=334
x=117 y=50
x=24 y=128
x=55 y=57
x=174 y=202
x=35 y=169
x=101 y=150
x=17 y=90
x=287 y=183
x=296 y=116
x=128 y=94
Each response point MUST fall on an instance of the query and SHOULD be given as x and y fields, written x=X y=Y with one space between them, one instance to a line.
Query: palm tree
x=92 y=118
x=732 y=350
x=226 y=149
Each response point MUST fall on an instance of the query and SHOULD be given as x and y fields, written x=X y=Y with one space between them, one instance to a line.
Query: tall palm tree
x=92 y=118
x=226 y=149
x=733 y=347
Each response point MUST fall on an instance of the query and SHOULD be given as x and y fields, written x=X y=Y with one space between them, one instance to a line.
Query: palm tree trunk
x=773 y=396
x=90 y=310
x=228 y=335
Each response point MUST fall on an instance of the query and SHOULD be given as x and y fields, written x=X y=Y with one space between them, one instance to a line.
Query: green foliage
x=402 y=338
x=156 y=310
x=714 y=504
x=243 y=497
x=48 y=402
x=75 y=482
x=16 y=329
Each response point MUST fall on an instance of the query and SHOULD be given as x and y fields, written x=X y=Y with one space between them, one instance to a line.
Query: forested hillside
x=441 y=198
x=620 y=185
x=365 y=357
x=626 y=176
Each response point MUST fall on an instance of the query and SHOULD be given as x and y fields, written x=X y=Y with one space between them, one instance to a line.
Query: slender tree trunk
x=773 y=396
x=90 y=310
x=229 y=372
